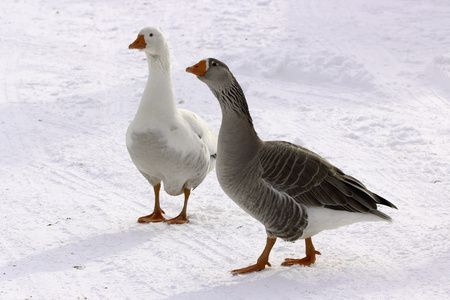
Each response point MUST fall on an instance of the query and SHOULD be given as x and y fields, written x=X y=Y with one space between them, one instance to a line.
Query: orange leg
x=182 y=217
x=308 y=260
x=156 y=216
x=262 y=261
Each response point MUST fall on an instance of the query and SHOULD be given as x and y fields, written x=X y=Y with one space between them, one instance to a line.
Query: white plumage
x=169 y=145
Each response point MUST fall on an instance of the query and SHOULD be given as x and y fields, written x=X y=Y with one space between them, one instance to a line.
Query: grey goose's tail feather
x=360 y=198
x=312 y=181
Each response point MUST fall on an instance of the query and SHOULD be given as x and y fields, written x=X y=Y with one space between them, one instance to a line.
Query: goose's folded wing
x=312 y=181
x=201 y=130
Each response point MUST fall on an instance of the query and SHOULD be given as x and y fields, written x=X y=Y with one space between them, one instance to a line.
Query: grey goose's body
x=292 y=191
x=168 y=145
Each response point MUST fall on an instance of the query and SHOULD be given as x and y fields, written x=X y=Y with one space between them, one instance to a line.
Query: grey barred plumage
x=292 y=191
x=313 y=181
x=234 y=99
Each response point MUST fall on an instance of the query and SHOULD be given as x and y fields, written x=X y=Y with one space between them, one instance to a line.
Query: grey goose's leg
x=308 y=260
x=262 y=262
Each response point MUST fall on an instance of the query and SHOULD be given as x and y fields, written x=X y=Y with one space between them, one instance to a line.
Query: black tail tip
x=386 y=202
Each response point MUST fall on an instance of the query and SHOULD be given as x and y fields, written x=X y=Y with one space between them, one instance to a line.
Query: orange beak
x=199 y=69
x=139 y=43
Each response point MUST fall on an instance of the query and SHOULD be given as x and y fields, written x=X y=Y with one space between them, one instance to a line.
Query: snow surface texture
x=366 y=84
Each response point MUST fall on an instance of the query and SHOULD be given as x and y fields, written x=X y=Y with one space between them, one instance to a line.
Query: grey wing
x=311 y=180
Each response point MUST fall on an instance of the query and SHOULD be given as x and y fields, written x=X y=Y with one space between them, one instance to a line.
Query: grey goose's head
x=222 y=83
x=213 y=72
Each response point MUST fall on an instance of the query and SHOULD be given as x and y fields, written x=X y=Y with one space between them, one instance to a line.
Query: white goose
x=168 y=145
x=292 y=191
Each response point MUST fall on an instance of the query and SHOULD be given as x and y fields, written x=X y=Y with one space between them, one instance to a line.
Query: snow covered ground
x=366 y=84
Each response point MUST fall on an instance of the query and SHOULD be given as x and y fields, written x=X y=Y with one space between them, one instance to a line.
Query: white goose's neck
x=157 y=101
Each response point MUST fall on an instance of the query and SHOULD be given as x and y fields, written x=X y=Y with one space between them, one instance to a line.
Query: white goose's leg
x=156 y=216
x=182 y=217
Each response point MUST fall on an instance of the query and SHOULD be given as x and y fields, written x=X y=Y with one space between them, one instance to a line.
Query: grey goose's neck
x=232 y=101
x=238 y=139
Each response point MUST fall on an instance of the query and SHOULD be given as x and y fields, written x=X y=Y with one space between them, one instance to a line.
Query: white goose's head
x=151 y=41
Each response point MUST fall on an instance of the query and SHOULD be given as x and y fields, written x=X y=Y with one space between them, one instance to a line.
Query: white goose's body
x=171 y=152
x=168 y=145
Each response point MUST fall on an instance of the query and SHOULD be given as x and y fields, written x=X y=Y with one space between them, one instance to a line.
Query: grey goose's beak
x=198 y=69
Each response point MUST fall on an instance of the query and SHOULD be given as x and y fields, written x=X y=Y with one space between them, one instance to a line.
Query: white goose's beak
x=139 y=43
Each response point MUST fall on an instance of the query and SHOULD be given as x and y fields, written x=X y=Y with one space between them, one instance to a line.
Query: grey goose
x=292 y=191
x=168 y=145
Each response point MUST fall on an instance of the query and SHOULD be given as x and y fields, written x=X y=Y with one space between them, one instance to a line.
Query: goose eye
x=214 y=64
x=151 y=34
